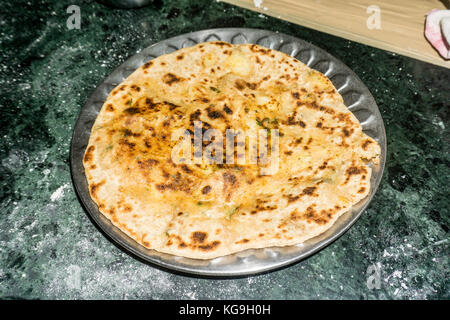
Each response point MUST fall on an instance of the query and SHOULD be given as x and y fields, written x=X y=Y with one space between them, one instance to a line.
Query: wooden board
x=402 y=21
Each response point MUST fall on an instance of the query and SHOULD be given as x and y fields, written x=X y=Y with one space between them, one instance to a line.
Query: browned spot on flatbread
x=170 y=78
x=294 y=215
x=347 y=132
x=132 y=110
x=214 y=114
x=227 y=109
x=222 y=44
x=263 y=205
x=292 y=198
x=311 y=215
x=324 y=165
x=94 y=188
x=291 y=121
x=127 y=208
x=239 y=84
x=88 y=155
x=206 y=189
x=229 y=178
x=135 y=88
x=147 y=65
x=127 y=143
x=175 y=182
x=366 y=144
x=354 y=171
x=308 y=191
x=195 y=115
x=112 y=211
x=182 y=245
x=185 y=168
x=199 y=236
x=251 y=86
x=210 y=246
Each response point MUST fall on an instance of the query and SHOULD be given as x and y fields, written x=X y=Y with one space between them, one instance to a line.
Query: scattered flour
x=58 y=193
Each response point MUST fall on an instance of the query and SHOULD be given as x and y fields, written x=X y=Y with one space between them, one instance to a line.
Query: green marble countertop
x=50 y=249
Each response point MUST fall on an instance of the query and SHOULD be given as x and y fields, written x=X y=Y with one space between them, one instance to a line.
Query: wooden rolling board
x=402 y=21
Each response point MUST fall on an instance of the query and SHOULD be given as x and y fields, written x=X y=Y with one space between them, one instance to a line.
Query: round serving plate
x=356 y=97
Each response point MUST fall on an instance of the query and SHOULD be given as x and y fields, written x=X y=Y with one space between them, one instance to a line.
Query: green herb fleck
x=259 y=123
x=231 y=212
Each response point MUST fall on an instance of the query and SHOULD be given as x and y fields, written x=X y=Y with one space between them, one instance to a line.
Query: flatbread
x=208 y=210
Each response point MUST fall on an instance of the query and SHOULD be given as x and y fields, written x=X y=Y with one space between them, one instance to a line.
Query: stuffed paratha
x=204 y=210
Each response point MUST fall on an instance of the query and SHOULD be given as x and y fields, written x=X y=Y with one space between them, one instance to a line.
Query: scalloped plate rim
x=191 y=265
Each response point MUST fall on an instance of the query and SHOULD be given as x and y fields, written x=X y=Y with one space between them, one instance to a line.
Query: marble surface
x=50 y=249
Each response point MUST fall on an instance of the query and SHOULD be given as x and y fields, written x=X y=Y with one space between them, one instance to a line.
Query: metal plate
x=356 y=96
